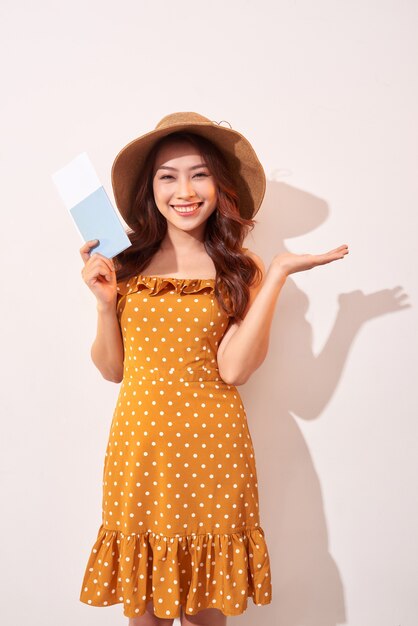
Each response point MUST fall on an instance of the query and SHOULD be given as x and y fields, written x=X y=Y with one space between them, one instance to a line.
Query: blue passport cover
x=96 y=218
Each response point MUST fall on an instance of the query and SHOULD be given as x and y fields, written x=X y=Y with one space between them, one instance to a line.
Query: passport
x=90 y=207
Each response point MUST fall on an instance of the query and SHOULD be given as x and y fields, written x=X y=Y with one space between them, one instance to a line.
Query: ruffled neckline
x=172 y=278
x=155 y=284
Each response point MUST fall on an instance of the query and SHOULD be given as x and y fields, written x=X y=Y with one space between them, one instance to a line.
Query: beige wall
x=328 y=94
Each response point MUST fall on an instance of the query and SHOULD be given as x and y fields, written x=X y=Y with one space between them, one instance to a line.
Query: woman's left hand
x=289 y=263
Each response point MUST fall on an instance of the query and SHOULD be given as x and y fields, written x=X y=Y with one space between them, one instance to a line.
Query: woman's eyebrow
x=167 y=167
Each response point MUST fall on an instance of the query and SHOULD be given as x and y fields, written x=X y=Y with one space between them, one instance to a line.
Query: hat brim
x=238 y=152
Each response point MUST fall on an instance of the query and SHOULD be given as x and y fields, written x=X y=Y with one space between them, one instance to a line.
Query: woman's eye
x=169 y=176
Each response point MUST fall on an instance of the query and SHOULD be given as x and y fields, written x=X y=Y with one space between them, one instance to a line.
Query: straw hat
x=239 y=154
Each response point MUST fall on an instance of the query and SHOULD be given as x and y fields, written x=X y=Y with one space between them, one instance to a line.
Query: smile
x=186 y=210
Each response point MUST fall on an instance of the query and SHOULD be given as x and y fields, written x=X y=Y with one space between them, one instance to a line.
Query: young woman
x=184 y=317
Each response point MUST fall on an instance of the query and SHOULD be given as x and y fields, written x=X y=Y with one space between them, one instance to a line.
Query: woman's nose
x=185 y=187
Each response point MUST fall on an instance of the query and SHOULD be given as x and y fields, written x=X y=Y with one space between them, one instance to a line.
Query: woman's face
x=184 y=189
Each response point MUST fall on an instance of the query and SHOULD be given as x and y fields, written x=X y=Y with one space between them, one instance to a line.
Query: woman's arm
x=99 y=274
x=107 y=351
x=245 y=344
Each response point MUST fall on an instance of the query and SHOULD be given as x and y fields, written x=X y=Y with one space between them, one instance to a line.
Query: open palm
x=290 y=263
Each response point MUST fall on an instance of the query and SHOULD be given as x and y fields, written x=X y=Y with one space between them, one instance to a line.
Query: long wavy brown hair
x=225 y=229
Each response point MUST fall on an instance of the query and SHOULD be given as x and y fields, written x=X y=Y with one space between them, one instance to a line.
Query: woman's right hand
x=99 y=274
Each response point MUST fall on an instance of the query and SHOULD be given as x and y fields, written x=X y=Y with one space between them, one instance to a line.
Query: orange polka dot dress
x=180 y=512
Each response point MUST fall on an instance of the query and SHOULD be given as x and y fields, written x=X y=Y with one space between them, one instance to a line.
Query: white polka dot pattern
x=180 y=516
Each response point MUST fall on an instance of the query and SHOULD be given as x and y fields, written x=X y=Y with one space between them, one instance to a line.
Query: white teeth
x=188 y=209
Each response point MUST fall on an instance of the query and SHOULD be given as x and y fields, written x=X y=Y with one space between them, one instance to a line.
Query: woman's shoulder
x=256 y=258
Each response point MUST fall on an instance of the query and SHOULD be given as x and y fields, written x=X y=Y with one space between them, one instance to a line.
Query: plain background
x=327 y=94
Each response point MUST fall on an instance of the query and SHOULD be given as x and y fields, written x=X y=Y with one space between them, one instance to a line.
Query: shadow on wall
x=306 y=582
